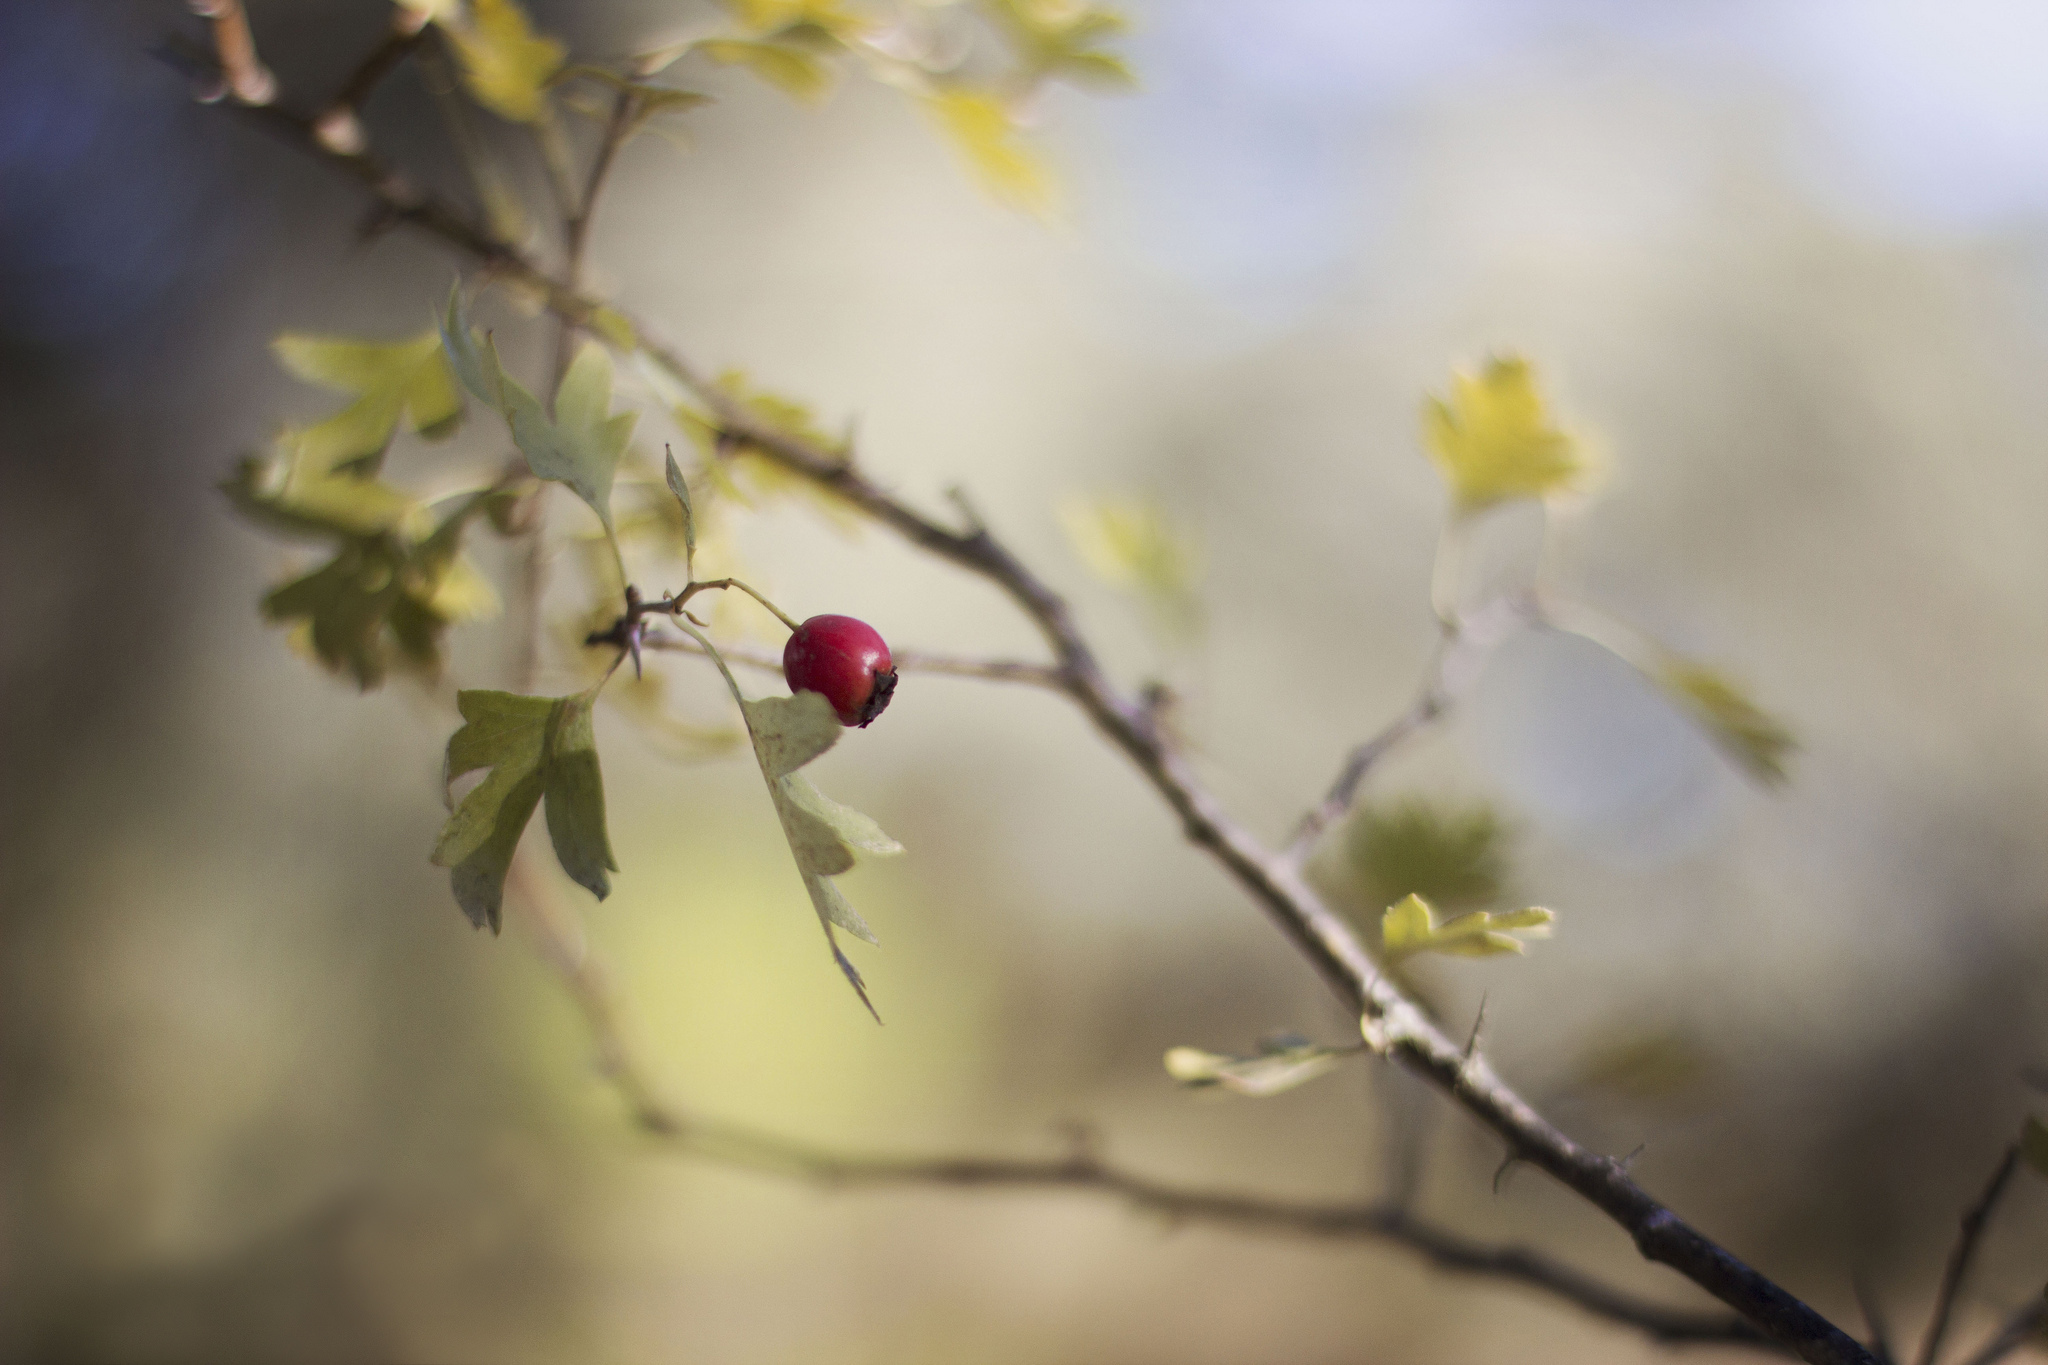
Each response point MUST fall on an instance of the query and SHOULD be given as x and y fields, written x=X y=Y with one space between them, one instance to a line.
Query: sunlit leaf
x=1282 y=1063
x=1411 y=927
x=286 y=493
x=983 y=129
x=407 y=378
x=1494 y=441
x=535 y=747
x=1750 y=736
x=1449 y=857
x=506 y=66
x=792 y=69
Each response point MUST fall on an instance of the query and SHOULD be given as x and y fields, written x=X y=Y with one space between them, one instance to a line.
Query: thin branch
x=907 y=661
x=1393 y=1023
x=1970 y=1234
x=242 y=73
x=1873 y=1319
x=1429 y=703
x=560 y=942
x=2018 y=1330
x=339 y=126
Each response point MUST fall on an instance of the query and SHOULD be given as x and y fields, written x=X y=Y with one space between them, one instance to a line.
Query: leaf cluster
x=1411 y=926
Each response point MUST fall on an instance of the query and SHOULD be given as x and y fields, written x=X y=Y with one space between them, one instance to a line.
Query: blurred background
x=1785 y=266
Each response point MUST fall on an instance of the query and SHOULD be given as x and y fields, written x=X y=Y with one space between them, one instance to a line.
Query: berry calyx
x=846 y=661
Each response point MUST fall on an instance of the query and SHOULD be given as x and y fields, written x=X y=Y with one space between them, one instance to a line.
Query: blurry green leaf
x=788 y=67
x=823 y=835
x=1282 y=1063
x=534 y=747
x=383 y=599
x=284 y=494
x=1756 y=741
x=648 y=102
x=612 y=325
x=1448 y=857
x=388 y=379
x=747 y=474
x=582 y=444
x=2034 y=1145
x=505 y=64
x=1411 y=927
x=1132 y=545
x=1493 y=440
x=982 y=128
x=1637 y=1063
x=680 y=486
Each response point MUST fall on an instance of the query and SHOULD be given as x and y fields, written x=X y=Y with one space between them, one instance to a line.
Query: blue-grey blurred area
x=268 y=1098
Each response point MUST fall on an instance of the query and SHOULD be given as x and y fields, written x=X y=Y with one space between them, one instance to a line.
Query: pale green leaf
x=1750 y=736
x=824 y=836
x=536 y=748
x=581 y=445
x=680 y=486
x=1411 y=927
x=384 y=599
x=408 y=378
x=506 y=66
x=1281 y=1064
x=986 y=134
x=786 y=66
x=1494 y=441
x=831 y=18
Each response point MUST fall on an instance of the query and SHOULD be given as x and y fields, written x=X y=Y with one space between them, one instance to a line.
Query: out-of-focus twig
x=1959 y=1257
x=242 y=72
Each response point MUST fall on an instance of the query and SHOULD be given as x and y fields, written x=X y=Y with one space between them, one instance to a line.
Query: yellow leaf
x=982 y=128
x=1493 y=440
x=830 y=16
x=1281 y=1064
x=1411 y=927
x=1132 y=545
x=783 y=65
x=1745 y=732
x=505 y=64
x=409 y=377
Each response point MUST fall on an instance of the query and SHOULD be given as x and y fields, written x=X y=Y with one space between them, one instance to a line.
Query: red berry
x=846 y=660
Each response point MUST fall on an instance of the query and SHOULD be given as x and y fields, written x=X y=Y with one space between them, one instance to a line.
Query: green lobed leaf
x=1411 y=926
x=1754 y=739
x=824 y=836
x=536 y=748
x=1281 y=1064
x=1448 y=856
x=581 y=445
x=389 y=380
x=385 y=597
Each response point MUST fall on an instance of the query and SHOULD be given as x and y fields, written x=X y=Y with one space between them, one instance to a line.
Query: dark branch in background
x=1427 y=706
x=1971 y=1233
x=1393 y=1024
x=1081 y=1170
